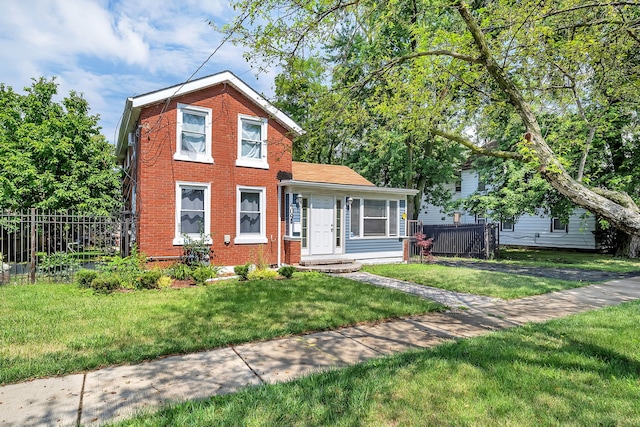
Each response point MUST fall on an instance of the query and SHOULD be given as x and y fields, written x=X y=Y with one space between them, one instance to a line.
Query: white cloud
x=110 y=50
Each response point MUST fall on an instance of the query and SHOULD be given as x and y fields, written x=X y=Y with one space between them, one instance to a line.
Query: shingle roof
x=330 y=174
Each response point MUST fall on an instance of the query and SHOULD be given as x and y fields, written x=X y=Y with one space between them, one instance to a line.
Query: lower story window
x=374 y=218
x=507 y=224
x=250 y=227
x=193 y=216
x=557 y=226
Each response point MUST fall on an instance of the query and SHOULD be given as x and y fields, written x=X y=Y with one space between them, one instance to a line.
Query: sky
x=109 y=50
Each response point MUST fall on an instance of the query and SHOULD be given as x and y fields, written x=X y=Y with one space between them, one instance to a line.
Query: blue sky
x=110 y=50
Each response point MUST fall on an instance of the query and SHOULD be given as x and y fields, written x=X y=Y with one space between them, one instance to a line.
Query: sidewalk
x=116 y=393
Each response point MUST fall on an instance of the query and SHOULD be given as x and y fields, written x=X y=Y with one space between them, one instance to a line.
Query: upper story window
x=193 y=134
x=252 y=142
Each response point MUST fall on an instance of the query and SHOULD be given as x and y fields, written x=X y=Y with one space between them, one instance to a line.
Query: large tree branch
x=481 y=151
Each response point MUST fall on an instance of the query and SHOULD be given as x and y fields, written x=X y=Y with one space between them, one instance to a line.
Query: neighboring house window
x=481 y=185
x=507 y=224
x=458 y=181
x=374 y=218
x=193 y=134
x=480 y=219
x=193 y=216
x=251 y=223
x=557 y=226
x=252 y=146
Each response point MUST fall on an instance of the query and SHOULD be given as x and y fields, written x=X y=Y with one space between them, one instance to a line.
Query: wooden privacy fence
x=462 y=240
x=35 y=243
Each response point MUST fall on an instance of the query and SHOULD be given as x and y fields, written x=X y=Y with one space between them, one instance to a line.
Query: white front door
x=321 y=229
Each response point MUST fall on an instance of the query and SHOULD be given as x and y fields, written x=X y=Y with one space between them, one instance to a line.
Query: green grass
x=559 y=259
x=479 y=282
x=52 y=329
x=579 y=371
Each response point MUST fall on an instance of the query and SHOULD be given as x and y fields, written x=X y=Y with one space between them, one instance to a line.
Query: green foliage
x=52 y=155
x=287 y=271
x=180 y=271
x=242 y=271
x=196 y=251
x=85 y=277
x=164 y=282
x=149 y=279
x=202 y=273
x=58 y=265
x=127 y=269
x=106 y=283
x=265 y=274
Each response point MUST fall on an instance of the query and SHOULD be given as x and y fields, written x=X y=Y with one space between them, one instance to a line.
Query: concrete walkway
x=116 y=393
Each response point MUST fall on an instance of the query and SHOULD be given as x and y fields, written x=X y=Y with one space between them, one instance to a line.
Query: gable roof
x=134 y=105
x=329 y=174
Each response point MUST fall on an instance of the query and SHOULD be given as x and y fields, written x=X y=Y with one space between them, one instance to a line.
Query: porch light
x=349 y=202
x=299 y=200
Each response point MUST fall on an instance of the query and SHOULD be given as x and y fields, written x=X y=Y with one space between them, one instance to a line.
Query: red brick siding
x=158 y=173
x=292 y=251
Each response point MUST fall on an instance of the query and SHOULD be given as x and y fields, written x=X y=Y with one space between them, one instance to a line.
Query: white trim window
x=557 y=226
x=508 y=224
x=252 y=142
x=251 y=221
x=193 y=211
x=374 y=218
x=193 y=134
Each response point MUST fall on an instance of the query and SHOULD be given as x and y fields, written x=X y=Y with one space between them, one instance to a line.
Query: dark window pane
x=375 y=208
x=374 y=227
x=249 y=223
x=192 y=199
x=191 y=222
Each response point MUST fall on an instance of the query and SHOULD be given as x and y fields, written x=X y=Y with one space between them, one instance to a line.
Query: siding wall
x=529 y=230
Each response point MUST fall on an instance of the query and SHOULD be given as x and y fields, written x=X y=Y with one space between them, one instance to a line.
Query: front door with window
x=321 y=230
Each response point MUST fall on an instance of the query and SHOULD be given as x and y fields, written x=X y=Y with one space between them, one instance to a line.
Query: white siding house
x=526 y=230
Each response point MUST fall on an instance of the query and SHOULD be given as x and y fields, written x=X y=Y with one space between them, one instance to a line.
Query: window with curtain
x=193 y=134
x=251 y=208
x=192 y=209
x=252 y=137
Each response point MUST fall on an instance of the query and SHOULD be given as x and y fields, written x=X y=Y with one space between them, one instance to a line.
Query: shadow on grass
x=546 y=374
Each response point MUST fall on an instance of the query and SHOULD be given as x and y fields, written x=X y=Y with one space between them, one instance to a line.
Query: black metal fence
x=463 y=240
x=35 y=243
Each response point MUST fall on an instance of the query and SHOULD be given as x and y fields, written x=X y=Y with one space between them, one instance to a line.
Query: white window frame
x=387 y=219
x=262 y=162
x=178 y=239
x=205 y=157
x=564 y=229
x=511 y=220
x=251 y=238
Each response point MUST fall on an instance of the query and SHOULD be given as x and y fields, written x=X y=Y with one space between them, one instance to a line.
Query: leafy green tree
x=52 y=155
x=471 y=63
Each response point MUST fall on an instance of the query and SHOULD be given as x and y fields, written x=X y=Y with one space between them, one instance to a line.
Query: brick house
x=211 y=157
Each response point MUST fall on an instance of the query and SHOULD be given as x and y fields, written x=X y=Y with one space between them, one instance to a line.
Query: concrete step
x=351 y=267
x=330 y=261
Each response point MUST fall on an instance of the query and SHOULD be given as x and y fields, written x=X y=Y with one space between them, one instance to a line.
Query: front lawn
x=54 y=329
x=478 y=282
x=563 y=259
x=579 y=371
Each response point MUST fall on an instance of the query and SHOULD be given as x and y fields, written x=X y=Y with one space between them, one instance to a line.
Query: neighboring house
x=526 y=230
x=212 y=158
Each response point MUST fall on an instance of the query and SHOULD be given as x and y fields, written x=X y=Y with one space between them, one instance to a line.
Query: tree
x=526 y=59
x=52 y=155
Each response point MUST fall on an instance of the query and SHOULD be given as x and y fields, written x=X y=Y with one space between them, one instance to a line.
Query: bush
x=242 y=271
x=286 y=271
x=85 y=277
x=165 y=282
x=149 y=279
x=127 y=269
x=202 y=273
x=106 y=283
x=262 y=275
x=180 y=271
x=58 y=264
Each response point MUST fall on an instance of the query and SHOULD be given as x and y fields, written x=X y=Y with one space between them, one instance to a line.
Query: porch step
x=341 y=267
x=328 y=261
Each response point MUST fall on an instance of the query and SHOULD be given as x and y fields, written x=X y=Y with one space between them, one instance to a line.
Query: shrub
x=106 y=283
x=85 y=277
x=58 y=264
x=242 y=271
x=149 y=279
x=127 y=269
x=202 y=273
x=164 y=282
x=196 y=251
x=287 y=271
x=262 y=275
x=180 y=271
